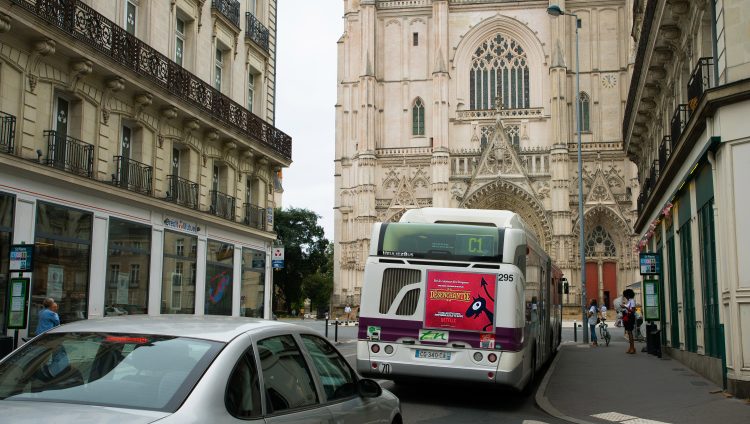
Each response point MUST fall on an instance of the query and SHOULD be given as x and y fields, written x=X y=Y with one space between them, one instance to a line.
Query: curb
x=541 y=399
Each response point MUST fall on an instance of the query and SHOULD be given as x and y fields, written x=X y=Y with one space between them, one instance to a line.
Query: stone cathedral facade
x=471 y=104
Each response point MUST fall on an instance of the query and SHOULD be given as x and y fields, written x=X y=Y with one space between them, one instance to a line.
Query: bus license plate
x=433 y=354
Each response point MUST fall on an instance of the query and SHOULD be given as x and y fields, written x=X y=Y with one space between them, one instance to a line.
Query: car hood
x=36 y=412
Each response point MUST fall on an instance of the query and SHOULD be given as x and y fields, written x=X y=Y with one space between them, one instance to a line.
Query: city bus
x=458 y=295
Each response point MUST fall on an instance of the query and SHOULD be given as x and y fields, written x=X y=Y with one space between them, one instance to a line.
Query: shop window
x=178 y=291
x=219 y=277
x=6 y=238
x=61 y=265
x=253 y=283
x=129 y=257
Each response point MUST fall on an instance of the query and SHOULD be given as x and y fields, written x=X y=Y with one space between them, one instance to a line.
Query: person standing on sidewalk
x=628 y=317
x=593 y=315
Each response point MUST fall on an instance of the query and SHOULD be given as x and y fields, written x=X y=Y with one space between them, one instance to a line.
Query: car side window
x=287 y=380
x=336 y=376
x=242 y=396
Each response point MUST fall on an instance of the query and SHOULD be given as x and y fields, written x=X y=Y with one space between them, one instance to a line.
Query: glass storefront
x=219 y=276
x=128 y=262
x=178 y=279
x=61 y=265
x=253 y=283
x=6 y=238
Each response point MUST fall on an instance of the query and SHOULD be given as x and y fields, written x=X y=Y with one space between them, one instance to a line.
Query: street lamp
x=556 y=11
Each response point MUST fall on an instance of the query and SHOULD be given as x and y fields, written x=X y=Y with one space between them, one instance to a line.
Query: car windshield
x=122 y=370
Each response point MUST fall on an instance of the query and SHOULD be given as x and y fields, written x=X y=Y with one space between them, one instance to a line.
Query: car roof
x=221 y=329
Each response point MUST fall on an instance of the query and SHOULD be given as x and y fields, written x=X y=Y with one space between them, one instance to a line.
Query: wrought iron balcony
x=230 y=9
x=678 y=124
x=89 y=27
x=665 y=150
x=69 y=154
x=183 y=192
x=222 y=205
x=256 y=31
x=7 y=132
x=255 y=216
x=654 y=173
x=701 y=80
x=132 y=175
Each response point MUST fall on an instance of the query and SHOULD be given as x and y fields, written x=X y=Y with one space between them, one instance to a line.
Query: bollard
x=336 y=331
x=575 y=332
x=326 y=327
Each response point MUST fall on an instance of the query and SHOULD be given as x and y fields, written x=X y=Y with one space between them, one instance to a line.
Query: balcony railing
x=256 y=31
x=665 y=150
x=7 y=132
x=132 y=175
x=229 y=8
x=89 y=27
x=183 y=192
x=701 y=80
x=222 y=205
x=654 y=173
x=69 y=154
x=679 y=122
x=255 y=216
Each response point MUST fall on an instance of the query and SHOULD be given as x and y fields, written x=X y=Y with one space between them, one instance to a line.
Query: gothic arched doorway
x=601 y=266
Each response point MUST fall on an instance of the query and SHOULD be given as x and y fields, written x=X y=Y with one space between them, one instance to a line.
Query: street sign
x=21 y=256
x=650 y=263
x=277 y=257
x=18 y=303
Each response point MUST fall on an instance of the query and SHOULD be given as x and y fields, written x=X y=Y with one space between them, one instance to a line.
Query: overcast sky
x=305 y=98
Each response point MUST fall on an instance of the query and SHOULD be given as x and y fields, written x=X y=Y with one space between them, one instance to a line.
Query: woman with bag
x=628 y=317
x=593 y=318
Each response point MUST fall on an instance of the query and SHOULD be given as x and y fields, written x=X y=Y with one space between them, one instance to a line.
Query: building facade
x=138 y=154
x=686 y=128
x=471 y=104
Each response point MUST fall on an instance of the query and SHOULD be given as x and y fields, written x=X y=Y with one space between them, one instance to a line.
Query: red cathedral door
x=592 y=282
x=610 y=283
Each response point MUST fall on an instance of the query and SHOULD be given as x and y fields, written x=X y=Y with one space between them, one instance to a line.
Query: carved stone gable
x=499 y=158
x=600 y=192
x=404 y=196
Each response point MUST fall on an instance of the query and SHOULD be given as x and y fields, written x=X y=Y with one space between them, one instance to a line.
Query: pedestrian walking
x=603 y=312
x=48 y=317
x=593 y=315
x=628 y=317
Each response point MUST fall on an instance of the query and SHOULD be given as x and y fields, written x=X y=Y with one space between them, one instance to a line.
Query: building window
x=7 y=203
x=61 y=266
x=499 y=70
x=178 y=292
x=218 y=68
x=129 y=251
x=250 y=91
x=219 y=278
x=252 y=7
x=417 y=117
x=179 y=53
x=131 y=14
x=252 y=292
x=584 y=108
x=600 y=244
x=415 y=39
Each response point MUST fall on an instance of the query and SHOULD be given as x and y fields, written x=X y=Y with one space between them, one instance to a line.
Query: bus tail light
x=374 y=365
x=492 y=357
x=375 y=348
x=478 y=356
x=388 y=349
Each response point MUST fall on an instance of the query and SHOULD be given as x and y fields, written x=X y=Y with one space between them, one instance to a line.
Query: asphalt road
x=448 y=403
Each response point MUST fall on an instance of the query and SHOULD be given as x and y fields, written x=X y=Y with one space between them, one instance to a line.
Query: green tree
x=319 y=286
x=304 y=254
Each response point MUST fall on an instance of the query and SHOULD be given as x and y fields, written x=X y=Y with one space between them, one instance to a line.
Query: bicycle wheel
x=606 y=337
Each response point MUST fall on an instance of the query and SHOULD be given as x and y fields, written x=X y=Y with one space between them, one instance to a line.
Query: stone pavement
x=605 y=385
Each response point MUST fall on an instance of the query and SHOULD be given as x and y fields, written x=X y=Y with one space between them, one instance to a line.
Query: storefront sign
x=277 y=257
x=18 y=305
x=651 y=300
x=460 y=301
x=178 y=224
x=650 y=263
x=21 y=256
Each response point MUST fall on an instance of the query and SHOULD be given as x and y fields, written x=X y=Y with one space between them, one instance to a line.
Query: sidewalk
x=604 y=385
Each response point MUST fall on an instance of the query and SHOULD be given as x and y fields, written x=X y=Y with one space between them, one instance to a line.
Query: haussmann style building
x=138 y=154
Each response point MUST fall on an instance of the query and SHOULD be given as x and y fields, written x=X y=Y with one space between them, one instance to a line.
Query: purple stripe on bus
x=394 y=329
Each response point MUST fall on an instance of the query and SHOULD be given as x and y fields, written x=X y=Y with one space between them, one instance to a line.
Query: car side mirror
x=369 y=388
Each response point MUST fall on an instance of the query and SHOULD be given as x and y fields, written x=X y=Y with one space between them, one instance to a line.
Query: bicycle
x=604 y=332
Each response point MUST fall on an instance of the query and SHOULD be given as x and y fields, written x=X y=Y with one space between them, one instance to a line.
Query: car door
x=288 y=388
x=339 y=384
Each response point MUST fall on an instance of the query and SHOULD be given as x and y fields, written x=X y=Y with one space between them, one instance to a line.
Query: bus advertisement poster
x=460 y=301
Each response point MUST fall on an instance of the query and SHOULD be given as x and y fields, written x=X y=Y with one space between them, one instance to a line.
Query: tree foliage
x=305 y=248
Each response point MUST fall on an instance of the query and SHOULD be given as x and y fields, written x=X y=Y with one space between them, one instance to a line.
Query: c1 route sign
x=277 y=257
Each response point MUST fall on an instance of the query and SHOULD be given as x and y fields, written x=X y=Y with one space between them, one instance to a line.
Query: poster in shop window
x=55 y=275
x=460 y=301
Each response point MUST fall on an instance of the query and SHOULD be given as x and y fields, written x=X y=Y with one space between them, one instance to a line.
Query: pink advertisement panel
x=460 y=301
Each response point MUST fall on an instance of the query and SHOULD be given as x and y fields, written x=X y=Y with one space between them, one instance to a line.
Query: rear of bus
x=445 y=301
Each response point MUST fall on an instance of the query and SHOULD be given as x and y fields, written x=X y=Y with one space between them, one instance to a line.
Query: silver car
x=182 y=369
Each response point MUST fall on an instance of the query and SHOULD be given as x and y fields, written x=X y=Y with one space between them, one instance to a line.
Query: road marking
x=625 y=419
x=533 y=422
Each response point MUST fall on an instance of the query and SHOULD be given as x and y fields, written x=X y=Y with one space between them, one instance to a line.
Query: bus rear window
x=454 y=242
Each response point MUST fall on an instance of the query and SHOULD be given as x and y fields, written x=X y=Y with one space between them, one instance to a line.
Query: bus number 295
x=505 y=277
